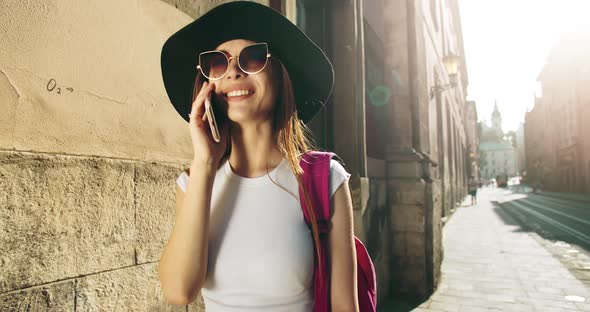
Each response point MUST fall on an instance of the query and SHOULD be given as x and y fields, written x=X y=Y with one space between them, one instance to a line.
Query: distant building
x=520 y=150
x=497 y=158
x=494 y=132
x=536 y=143
x=496 y=155
x=497 y=120
x=557 y=129
x=472 y=133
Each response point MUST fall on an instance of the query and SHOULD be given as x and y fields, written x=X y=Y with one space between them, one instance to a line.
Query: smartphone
x=210 y=115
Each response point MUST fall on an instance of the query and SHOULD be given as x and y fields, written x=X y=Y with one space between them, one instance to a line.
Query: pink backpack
x=316 y=177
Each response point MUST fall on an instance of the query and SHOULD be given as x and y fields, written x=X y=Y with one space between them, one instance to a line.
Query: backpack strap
x=316 y=180
x=316 y=177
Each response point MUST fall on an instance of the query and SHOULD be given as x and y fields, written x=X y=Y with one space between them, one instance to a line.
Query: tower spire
x=497 y=119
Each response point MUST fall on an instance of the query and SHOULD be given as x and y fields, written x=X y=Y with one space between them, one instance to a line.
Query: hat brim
x=310 y=70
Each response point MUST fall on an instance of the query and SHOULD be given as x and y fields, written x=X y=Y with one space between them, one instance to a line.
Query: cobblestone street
x=492 y=264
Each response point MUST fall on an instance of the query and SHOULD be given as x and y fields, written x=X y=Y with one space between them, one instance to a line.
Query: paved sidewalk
x=490 y=264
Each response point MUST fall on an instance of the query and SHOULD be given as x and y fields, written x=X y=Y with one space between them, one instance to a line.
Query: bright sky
x=506 y=45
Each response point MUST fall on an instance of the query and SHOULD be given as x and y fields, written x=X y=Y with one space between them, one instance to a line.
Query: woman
x=239 y=236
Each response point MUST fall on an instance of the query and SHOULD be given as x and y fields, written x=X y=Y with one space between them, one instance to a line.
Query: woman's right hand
x=206 y=150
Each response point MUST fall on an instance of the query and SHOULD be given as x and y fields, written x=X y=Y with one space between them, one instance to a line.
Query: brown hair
x=293 y=138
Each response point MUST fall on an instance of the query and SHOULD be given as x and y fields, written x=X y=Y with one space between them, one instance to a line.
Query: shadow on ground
x=551 y=224
x=398 y=305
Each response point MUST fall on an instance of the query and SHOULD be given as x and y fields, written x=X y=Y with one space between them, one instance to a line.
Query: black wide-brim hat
x=310 y=70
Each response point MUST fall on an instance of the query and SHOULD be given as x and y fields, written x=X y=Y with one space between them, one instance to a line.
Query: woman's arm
x=342 y=253
x=183 y=265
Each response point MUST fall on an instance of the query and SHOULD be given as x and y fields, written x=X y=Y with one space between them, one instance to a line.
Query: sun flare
x=506 y=45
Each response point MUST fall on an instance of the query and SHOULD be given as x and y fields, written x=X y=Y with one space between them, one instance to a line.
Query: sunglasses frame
x=268 y=55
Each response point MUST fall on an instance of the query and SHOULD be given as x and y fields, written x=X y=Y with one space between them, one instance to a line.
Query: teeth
x=239 y=93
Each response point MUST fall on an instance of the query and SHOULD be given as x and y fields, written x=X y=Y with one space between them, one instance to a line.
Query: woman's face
x=258 y=103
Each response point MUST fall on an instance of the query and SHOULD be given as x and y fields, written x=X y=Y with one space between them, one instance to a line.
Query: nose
x=234 y=71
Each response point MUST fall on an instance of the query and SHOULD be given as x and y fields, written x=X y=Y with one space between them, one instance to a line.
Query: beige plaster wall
x=101 y=61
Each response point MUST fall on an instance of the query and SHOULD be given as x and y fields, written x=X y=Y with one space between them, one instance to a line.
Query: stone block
x=380 y=251
x=409 y=276
x=50 y=298
x=379 y=191
x=436 y=230
x=404 y=170
x=383 y=274
x=359 y=191
x=375 y=219
x=410 y=283
x=155 y=201
x=407 y=218
x=360 y=229
x=130 y=289
x=406 y=192
x=63 y=216
x=415 y=244
x=197 y=305
x=399 y=244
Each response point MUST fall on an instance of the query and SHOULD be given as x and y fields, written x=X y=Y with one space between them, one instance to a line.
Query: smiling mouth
x=239 y=95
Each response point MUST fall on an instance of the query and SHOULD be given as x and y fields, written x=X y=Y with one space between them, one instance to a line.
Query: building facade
x=497 y=153
x=520 y=150
x=500 y=159
x=493 y=132
x=98 y=170
x=472 y=133
x=559 y=120
x=416 y=141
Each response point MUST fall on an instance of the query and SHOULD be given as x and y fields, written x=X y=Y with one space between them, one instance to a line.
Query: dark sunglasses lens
x=253 y=58
x=214 y=64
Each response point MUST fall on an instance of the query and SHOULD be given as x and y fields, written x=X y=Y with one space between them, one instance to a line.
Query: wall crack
x=11 y=83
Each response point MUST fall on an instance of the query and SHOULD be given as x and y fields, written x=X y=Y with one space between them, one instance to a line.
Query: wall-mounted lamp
x=451 y=63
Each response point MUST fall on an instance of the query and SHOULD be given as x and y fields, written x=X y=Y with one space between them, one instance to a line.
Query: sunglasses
x=251 y=60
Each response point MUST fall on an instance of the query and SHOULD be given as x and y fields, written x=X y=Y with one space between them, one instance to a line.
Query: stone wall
x=83 y=232
x=425 y=163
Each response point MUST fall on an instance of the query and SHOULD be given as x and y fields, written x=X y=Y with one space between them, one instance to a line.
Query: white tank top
x=260 y=248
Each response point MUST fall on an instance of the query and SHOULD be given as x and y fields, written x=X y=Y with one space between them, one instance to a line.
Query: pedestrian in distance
x=247 y=81
x=472 y=186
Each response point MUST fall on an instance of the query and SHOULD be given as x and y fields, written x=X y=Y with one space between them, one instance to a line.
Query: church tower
x=497 y=120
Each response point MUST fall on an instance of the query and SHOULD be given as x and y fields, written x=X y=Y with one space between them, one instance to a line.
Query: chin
x=238 y=117
x=242 y=117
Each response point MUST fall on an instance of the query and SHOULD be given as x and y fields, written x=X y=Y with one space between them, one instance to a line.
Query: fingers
x=193 y=119
x=206 y=101
x=203 y=94
x=198 y=109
